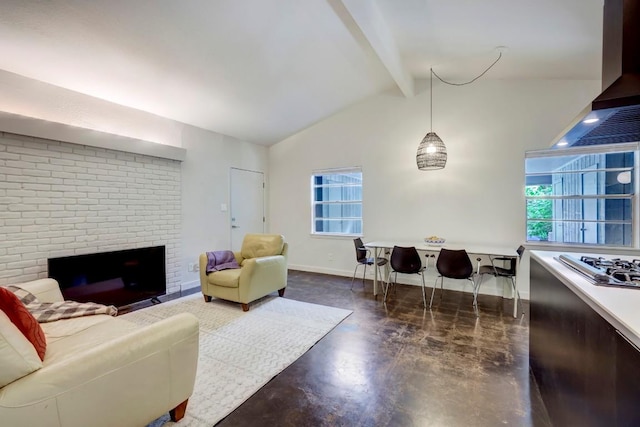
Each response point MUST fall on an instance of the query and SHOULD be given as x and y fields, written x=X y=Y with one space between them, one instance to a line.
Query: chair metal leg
x=473 y=284
x=516 y=293
x=476 y=289
x=433 y=291
x=424 y=298
x=386 y=287
x=355 y=270
x=364 y=274
x=389 y=282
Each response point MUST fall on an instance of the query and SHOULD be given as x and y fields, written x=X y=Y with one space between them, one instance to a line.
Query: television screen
x=115 y=278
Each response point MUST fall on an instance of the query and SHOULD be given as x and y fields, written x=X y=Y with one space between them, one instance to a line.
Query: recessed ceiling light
x=587 y=121
x=562 y=143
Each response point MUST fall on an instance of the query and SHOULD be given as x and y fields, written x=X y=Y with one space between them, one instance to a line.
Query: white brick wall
x=59 y=199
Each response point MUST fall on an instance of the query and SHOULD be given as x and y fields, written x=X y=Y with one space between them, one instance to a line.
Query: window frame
x=314 y=203
x=633 y=147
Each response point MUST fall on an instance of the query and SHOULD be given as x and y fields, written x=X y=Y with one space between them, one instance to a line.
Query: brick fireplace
x=60 y=199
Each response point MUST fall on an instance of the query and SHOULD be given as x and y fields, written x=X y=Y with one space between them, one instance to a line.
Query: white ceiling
x=262 y=70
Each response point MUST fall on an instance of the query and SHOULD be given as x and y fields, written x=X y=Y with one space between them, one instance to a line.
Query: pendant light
x=432 y=153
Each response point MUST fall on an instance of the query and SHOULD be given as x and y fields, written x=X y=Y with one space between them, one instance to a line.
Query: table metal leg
x=376 y=254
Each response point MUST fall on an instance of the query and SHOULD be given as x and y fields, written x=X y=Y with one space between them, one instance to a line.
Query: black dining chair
x=405 y=260
x=363 y=258
x=453 y=264
x=507 y=269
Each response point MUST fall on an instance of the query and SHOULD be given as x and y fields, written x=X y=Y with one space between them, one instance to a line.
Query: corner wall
x=191 y=219
x=206 y=185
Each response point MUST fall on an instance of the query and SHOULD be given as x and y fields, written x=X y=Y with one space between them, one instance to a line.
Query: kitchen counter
x=584 y=344
x=619 y=306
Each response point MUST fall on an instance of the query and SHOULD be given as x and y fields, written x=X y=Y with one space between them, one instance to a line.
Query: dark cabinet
x=627 y=382
x=587 y=373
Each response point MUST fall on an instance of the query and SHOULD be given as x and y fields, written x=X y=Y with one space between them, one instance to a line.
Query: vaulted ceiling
x=262 y=70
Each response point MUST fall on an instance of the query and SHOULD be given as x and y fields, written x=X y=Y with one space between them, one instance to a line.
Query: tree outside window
x=540 y=209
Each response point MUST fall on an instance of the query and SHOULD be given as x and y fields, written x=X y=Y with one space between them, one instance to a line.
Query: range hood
x=614 y=116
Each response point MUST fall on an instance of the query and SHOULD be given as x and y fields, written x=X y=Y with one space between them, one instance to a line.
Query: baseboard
x=314 y=269
x=488 y=287
x=190 y=285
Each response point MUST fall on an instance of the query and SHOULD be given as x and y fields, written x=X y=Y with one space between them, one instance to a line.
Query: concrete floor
x=396 y=364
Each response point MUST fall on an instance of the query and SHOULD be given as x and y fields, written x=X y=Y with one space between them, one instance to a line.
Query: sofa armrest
x=203 y=261
x=141 y=374
x=46 y=290
x=261 y=276
x=202 y=270
x=257 y=266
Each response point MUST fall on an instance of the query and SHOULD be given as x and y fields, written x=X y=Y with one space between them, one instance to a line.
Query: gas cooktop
x=606 y=272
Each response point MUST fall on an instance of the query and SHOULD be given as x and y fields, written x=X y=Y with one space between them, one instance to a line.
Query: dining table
x=385 y=246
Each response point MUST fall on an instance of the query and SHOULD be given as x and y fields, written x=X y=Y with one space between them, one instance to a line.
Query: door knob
x=235 y=226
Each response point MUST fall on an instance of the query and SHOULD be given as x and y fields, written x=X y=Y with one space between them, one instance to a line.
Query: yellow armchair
x=263 y=269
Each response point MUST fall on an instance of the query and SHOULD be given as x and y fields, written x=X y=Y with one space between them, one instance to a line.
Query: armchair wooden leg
x=281 y=292
x=207 y=298
x=178 y=412
x=245 y=307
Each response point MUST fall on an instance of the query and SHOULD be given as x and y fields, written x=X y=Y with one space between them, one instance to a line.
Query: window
x=583 y=195
x=337 y=202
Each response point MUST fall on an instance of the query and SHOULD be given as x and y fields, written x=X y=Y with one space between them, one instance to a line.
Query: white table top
x=471 y=248
x=618 y=306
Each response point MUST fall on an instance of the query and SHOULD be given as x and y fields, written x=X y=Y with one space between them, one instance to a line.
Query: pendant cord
x=472 y=80
x=431 y=100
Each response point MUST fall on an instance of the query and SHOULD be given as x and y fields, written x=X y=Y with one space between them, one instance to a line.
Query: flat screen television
x=117 y=278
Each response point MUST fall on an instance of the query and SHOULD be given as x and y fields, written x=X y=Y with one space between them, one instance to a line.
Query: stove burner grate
x=606 y=272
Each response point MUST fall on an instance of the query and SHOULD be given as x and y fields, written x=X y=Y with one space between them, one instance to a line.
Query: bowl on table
x=433 y=240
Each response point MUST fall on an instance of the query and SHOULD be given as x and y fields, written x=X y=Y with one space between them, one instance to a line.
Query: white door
x=247 y=205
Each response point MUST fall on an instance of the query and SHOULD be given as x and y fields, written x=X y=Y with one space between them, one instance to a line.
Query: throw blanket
x=220 y=260
x=51 y=311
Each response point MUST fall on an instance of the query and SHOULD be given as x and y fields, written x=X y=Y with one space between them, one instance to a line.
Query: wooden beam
x=366 y=18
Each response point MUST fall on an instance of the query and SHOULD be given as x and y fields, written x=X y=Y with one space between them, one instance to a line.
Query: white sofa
x=104 y=371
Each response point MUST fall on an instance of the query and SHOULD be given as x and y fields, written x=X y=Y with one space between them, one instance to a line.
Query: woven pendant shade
x=432 y=154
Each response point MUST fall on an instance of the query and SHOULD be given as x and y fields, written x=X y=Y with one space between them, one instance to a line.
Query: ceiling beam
x=367 y=19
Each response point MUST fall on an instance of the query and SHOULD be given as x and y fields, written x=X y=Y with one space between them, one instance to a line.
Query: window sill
x=334 y=236
x=549 y=246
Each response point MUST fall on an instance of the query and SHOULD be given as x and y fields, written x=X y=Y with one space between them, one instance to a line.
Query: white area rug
x=241 y=351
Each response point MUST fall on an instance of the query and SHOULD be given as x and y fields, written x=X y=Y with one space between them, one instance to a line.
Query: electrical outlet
x=330 y=256
x=192 y=267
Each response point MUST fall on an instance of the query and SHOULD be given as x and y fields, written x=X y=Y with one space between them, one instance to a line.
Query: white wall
x=206 y=185
x=31 y=98
x=477 y=198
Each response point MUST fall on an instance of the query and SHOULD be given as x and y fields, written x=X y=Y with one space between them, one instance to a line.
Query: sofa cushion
x=68 y=337
x=18 y=357
x=24 y=321
x=226 y=278
x=259 y=245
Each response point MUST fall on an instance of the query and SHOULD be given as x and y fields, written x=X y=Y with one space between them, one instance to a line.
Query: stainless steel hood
x=614 y=116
